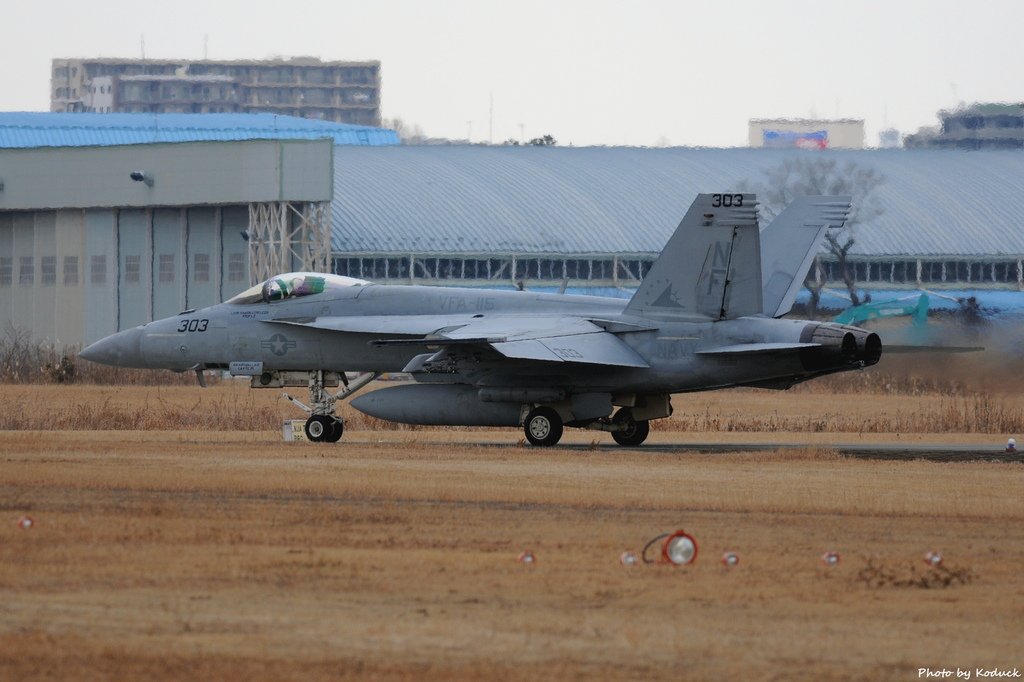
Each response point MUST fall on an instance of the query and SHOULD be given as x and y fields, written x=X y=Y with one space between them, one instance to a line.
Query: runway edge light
x=830 y=559
x=933 y=558
x=680 y=548
x=526 y=557
x=26 y=522
x=730 y=559
x=629 y=559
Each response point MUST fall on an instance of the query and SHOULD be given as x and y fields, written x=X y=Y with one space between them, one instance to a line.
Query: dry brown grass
x=23 y=361
x=196 y=555
x=231 y=404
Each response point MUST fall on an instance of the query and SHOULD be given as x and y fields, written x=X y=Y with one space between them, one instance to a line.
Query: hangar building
x=598 y=216
x=156 y=214
x=85 y=250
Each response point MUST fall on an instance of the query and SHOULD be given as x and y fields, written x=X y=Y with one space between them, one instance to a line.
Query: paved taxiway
x=936 y=452
x=884 y=450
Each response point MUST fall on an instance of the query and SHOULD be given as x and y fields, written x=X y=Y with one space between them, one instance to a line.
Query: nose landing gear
x=324 y=428
x=323 y=425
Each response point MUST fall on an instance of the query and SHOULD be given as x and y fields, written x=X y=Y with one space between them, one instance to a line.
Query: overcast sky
x=646 y=72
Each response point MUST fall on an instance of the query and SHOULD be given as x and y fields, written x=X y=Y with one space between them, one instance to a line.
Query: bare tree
x=800 y=176
x=407 y=133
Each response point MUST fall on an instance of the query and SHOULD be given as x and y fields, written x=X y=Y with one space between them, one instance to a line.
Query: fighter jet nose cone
x=120 y=349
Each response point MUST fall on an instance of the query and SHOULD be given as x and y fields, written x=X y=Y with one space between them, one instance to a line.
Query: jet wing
x=543 y=339
x=600 y=348
x=412 y=325
x=520 y=337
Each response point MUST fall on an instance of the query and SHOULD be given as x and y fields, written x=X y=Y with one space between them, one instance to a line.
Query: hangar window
x=496 y=269
x=166 y=267
x=425 y=267
x=343 y=266
x=448 y=268
x=601 y=269
x=48 y=271
x=551 y=269
x=201 y=267
x=98 y=273
x=474 y=269
x=71 y=271
x=132 y=269
x=397 y=268
x=27 y=272
x=236 y=267
x=6 y=271
x=931 y=272
x=630 y=269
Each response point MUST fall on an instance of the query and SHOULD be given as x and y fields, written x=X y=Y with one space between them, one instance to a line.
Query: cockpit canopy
x=294 y=285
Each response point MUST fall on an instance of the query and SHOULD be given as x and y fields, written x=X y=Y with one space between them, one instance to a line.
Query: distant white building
x=803 y=133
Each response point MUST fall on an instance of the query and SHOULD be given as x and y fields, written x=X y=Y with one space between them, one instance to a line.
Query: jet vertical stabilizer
x=790 y=243
x=711 y=266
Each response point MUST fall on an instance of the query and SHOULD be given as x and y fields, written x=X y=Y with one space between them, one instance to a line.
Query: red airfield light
x=679 y=548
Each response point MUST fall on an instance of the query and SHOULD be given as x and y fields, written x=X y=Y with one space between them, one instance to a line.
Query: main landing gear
x=544 y=427
x=323 y=425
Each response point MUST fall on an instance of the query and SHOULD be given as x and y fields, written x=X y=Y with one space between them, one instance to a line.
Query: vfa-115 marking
x=706 y=316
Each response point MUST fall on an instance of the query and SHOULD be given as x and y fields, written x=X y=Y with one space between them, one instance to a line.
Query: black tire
x=318 y=428
x=543 y=427
x=337 y=428
x=634 y=433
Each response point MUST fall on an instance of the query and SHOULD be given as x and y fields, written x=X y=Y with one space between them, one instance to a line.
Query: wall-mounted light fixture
x=142 y=176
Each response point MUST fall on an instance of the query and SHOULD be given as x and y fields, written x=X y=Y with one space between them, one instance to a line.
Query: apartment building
x=978 y=126
x=342 y=92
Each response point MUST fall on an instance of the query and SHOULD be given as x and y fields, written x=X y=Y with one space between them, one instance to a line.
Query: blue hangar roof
x=603 y=200
x=29 y=129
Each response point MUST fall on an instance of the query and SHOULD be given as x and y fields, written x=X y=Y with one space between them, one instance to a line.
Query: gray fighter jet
x=705 y=317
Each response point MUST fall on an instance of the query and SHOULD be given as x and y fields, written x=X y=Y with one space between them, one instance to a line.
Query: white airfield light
x=1011 y=445
x=26 y=522
x=629 y=559
x=830 y=559
x=680 y=548
x=933 y=559
x=730 y=559
x=526 y=557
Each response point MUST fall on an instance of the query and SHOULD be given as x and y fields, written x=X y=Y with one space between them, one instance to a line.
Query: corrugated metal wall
x=516 y=200
x=75 y=276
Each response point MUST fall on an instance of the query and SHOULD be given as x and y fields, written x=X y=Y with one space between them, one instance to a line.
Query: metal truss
x=287 y=237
